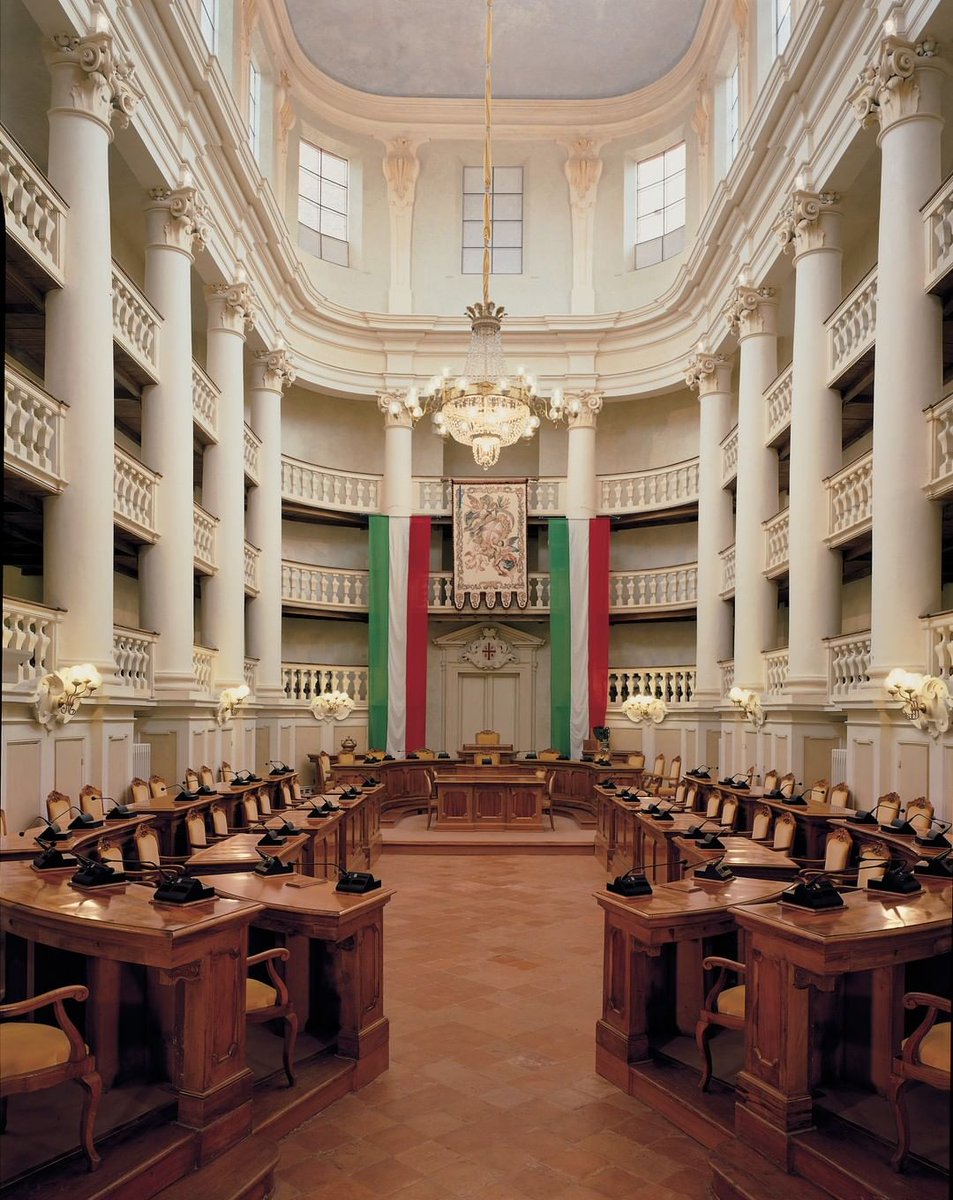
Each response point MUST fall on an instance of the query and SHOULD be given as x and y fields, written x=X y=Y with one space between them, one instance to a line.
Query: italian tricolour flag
x=579 y=629
x=397 y=640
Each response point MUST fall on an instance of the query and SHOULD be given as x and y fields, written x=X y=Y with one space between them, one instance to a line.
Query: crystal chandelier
x=484 y=408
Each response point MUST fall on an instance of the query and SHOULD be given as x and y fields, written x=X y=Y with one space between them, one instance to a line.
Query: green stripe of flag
x=560 y=630
x=379 y=541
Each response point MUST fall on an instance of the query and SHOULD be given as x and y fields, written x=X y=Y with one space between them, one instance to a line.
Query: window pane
x=472 y=262
x=648 y=253
x=333 y=168
x=674 y=216
x=307 y=213
x=649 y=227
x=507 y=233
x=473 y=179
x=650 y=199
x=508 y=208
x=333 y=196
x=507 y=262
x=673 y=243
x=675 y=187
x=472 y=207
x=334 y=251
x=473 y=233
x=675 y=159
x=334 y=224
x=650 y=171
x=309 y=240
x=507 y=179
x=308 y=185
x=310 y=157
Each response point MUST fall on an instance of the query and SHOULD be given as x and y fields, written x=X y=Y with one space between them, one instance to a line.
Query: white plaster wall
x=322 y=641
x=651 y=644
x=325 y=545
x=636 y=435
x=347 y=435
x=126 y=601
x=855 y=606
x=653 y=546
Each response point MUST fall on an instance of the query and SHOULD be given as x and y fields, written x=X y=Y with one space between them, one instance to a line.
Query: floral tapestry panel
x=489 y=543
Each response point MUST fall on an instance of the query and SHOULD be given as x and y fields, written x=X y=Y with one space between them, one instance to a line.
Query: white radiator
x=141 y=760
x=838 y=766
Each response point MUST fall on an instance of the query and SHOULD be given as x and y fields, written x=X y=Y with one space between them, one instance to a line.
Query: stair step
x=245 y=1172
x=740 y=1173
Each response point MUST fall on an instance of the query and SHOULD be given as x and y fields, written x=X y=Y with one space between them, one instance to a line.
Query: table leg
x=359 y=977
x=103 y=1016
x=689 y=985
x=622 y=1032
x=886 y=1022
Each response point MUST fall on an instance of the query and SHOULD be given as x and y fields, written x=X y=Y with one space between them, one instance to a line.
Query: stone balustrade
x=645 y=491
x=440 y=595
x=675 y=685
x=727 y=557
x=850 y=500
x=134 y=655
x=250 y=673
x=852 y=328
x=303 y=681
x=252 y=455
x=775 y=670
x=939 y=630
x=29 y=634
x=729 y=456
x=252 y=558
x=776 y=540
x=727 y=669
x=848 y=665
x=34 y=212
x=135 y=495
x=309 y=586
x=341 y=491
x=205 y=398
x=33 y=429
x=777 y=406
x=136 y=325
x=938 y=231
x=203 y=661
x=940 y=427
x=204 y=527
x=659 y=587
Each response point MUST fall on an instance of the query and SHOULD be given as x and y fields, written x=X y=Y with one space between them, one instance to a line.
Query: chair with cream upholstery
x=654 y=779
x=91 y=801
x=220 y=827
x=771 y=780
x=840 y=795
x=268 y=1000
x=887 y=808
x=148 y=851
x=324 y=771
x=426 y=753
x=724 y=1008
x=820 y=791
x=227 y=772
x=35 y=1056
x=139 y=792
x=431 y=797
x=3 y=823
x=924 y=1058
x=158 y=788
x=786 y=785
x=206 y=777
x=784 y=829
x=195 y=830
x=838 y=846
x=191 y=780
x=550 y=754
x=680 y=798
x=58 y=805
x=636 y=759
x=109 y=851
x=547 y=802
x=873 y=862
x=487 y=737
x=728 y=817
x=713 y=805
x=264 y=800
x=251 y=814
x=761 y=823
x=668 y=785
x=920 y=815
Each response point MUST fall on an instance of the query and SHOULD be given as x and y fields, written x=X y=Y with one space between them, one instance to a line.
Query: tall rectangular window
x=322 y=204
x=782 y=24
x=254 y=108
x=208 y=21
x=506 y=199
x=732 y=116
x=660 y=206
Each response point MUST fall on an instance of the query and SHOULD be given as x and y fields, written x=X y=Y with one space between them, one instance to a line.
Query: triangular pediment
x=506 y=633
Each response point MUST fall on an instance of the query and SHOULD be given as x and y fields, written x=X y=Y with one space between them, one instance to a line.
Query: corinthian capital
x=401 y=167
x=102 y=84
x=400 y=408
x=706 y=372
x=274 y=369
x=583 y=170
x=582 y=408
x=890 y=88
x=187 y=217
x=231 y=306
x=799 y=227
x=751 y=310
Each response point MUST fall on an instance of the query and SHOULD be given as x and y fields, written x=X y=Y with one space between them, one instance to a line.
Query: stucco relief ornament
x=488 y=652
x=702 y=369
x=109 y=90
x=797 y=226
x=277 y=366
x=742 y=309
x=887 y=89
x=583 y=170
x=582 y=408
x=189 y=216
x=401 y=166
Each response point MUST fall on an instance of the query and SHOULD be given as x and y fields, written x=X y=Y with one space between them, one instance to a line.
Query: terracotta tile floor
x=493 y=985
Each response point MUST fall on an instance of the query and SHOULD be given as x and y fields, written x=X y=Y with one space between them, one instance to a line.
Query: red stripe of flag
x=598 y=620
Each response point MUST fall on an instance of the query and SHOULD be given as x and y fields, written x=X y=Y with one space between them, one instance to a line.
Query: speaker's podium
x=487 y=750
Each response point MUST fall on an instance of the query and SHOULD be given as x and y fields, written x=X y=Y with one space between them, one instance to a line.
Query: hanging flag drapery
x=579 y=629
x=397 y=640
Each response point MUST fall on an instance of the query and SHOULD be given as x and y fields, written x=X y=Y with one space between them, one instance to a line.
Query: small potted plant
x=601 y=734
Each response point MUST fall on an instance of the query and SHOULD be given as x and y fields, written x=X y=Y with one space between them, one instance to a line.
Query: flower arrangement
x=645 y=708
x=331 y=706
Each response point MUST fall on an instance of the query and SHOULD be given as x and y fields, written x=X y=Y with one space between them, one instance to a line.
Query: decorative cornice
x=703 y=370
x=750 y=310
x=583 y=169
x=888 y=89
x=187 y=226
x=799 y=227
x=231 y=306
x=582 y=408
x=401 y=166
x=274 y=369
x=105 y=86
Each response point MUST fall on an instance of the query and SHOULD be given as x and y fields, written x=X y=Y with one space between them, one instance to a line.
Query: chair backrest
x=195 y=830
x=636 y=759
x=206 y=776
x=873 y=862
x=289 y=793
x=426 y=753
x=140 y=791
x=786 y=786
x=784 y=828
x=57 y=805
x=264 y=802
x=729 y=812
x=837 y=850
x=227 y=773
x=888 y=808
x=346 y=758
x=250 y=809
x=713 y=807
x=681 y=791
x=691 y=796
x=147 y=845
x=110 y=852
x=659 y=768
x=219 y=820
x=840 y=794
x=91 y=801
x=158 y=787
x=192 y=780
x=675 y=769
x=487 y=737
x=920 y=814
x=761 y=824
x=3 y=823
x=548 y=755
x=820 y=791
x=771 y=780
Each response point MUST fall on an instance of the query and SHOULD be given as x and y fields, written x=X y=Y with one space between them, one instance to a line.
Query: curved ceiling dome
x=542 y=49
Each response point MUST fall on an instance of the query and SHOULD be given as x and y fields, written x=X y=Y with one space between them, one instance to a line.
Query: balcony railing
x=35 y=214
x=850 y=499
x=440 y=594
x=727 y=669
x=939 y=630
x=940 y=426
x=252 y=451
x=775 y=670
x=252 y=558
x=29 y=633
x=660 y=587
x=204 y=526
x=136 y=326
x=674 y=685
x=33 y=427
x=303 y=681
x=852 y=328
x=250 y=673
x=205 y=397
x=776 y=544
x=432 y=497
x=134 y=656
x=938 y=229
x=343 y=491
x=644 y=491
x=203 y=660
x=848 y=665
x=135 y=491
x=777 y=405
x=324 y=587
x=727 y=556
x=729 y=457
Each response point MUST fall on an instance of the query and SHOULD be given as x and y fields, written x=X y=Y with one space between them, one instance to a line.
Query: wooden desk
x=813 y=820
x=636 y=1003
x=747 y=859
x=793 y=956
x=656 y=850
x=490 y=798
x=241 y=852
x=197 y=956
x=345 y=958
x=897 y=846
x=22 y=847
x=169 y=818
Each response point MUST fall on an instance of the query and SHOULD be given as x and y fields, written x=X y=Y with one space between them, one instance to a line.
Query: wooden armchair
x=148 y=853
x=196 y=831
x=761 y=823
x=58 y=805
x=785 y=828
x=268 y=1000
x=91 y=802
x=191 y=780
x=227 y=773
x=548 y=799
x=924 y=1058
x=771 y=780
x=656 y=777
x=920 y=815
x=666 y=788
x=158 y=788
x=550 y=754
x=487 y=737
x=139 y=791
x=839 y=794
x=34 y=1057
x=251 y=814
x=724 y=1008
x=837 y=851
x=820 y=791
x=713 y=805
x=887 y=808
x=873 y=862
x=431 y=798
x=636 y=759
x=786 y=785
x=206 y=777
x=728 y=817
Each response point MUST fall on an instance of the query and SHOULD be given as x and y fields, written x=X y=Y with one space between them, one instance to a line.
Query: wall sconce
x=925 y=699
x=60 y=692
x=750 y=704
x=645 y=708
x=230 y=701
x=331 y=706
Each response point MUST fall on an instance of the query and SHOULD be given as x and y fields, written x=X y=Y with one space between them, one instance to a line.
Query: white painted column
x=271 y=373
x=176 y=222
x=223 y=493
x=397 y=486
x=710 y=375
x=810 y=227
x=583 y=170
x=401 y=168
x=582 y=498
x=90 y=87
x=752 y=314
x=901 y=95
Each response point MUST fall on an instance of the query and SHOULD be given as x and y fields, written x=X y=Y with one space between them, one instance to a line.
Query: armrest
x=933 y=1005
x=55 y=998
x=724 y=966
x=269 y=958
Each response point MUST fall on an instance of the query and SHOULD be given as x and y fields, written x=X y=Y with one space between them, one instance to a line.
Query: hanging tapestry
x=489 y=543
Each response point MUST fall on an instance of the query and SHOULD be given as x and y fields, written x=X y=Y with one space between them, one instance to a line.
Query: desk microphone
x=273 y=837
x=95 y=874
x=83 y=820
x=799 y=801
x=270 y=865
x=355 y=882
x=867 y=816
x=660 y=814
x=183 y=794
x=277 y=766
x=51 y=834
x=703 y=772
x=695 y=831
x=934 y=839
x=118 y=812
x=633 y=883
x=900 y=825
x=815 y=891
x=715 y=871
x=245 y=776
x=939 y=865
x=176 y=886
x=898 y=879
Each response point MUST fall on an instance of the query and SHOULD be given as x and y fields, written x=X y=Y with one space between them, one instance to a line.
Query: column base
x=806 y=690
